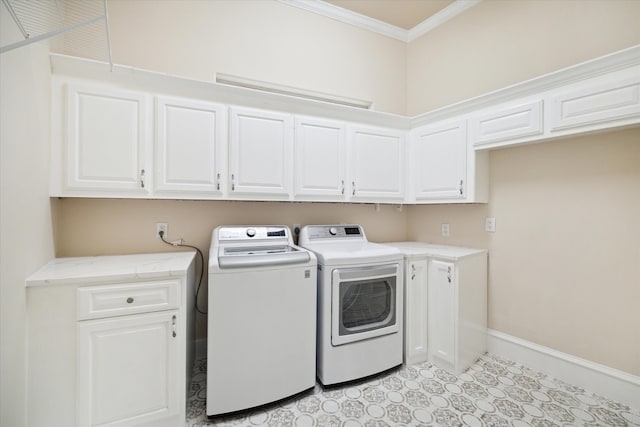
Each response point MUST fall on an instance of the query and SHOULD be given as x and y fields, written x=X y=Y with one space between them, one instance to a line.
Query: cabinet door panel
x=377 y=164
x=440 y=161
x=127 y=369
x=106 y=139
x=507 y=123
x=596 y=102
x=191 y=138
x=416 y=312
x=261 y=152
x=442 y=312
x=320 y=158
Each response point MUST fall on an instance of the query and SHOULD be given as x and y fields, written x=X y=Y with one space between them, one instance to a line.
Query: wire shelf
x=83 y=25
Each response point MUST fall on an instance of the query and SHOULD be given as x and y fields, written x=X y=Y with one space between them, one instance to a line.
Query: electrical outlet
x=444 y=228
x=164 y=227
x=490 y=225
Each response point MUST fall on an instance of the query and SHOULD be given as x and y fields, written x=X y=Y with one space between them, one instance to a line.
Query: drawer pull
x=129 y=300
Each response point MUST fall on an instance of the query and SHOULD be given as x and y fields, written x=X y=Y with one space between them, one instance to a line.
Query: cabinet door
x=190 y=150
x=416 y=312
x=597 y=102
x=261 y=156
x=439 y=156
x=107 y=140
x=442 y=313
x=127 y=370
x=319 y=158
x=377 y=163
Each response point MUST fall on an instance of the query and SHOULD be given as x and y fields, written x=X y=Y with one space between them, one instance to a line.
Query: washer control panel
x=253 y=233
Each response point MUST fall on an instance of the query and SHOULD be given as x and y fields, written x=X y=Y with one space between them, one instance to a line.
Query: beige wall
x=263 y=40
x=564 y=268
x=25 y=220
x=565 y=261
x=499 y=43
x=104 y=227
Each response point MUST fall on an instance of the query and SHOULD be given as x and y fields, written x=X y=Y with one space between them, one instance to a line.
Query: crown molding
x=454 y=9
x=620 y=60
x=348 y=17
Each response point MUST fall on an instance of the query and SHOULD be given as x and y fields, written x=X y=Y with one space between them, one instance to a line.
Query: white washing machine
x=360 y=302
x=261 y=344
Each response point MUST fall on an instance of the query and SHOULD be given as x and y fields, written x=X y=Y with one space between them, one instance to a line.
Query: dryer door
x=364 y=303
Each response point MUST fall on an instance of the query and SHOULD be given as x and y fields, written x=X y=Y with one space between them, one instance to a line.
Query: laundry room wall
x=496 y=44
x=268 y=41
x=25 y=209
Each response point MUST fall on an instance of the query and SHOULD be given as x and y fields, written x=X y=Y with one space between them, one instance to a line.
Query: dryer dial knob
x=251 y=232
x=333 y=231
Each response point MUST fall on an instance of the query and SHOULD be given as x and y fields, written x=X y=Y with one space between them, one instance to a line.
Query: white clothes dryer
x=261 y=344
x=360 y=303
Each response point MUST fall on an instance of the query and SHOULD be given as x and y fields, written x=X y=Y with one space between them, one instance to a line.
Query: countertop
x=110 y=268
x=433 y=250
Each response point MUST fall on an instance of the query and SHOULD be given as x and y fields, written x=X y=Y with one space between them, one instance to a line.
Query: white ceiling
x=405 y=14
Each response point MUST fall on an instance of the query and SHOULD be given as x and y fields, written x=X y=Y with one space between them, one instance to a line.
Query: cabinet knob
x=233 y=182
x=342 y=186
x=353 y=185
x=129 y=300
x=218 y=182
x=141 y=178
x=461 y=187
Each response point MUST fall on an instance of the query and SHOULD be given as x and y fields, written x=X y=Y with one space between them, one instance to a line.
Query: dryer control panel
x=317 y=232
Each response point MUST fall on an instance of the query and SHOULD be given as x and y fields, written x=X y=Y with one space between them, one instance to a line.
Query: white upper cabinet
x=376 y=164
x=504 y=123
x=190 y=146
x=597 y=102
x=260 y=154
x=439 y=161
x=107 y=140
x=320 y=153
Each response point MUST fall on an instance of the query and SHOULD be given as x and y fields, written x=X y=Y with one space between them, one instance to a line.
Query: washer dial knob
x=251 y=232
x=333 y=231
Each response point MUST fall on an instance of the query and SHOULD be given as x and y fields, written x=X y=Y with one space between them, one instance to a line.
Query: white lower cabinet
x=457 y=311
x=442 y=313
x=445 y=304
x=126 y=371
x=115 y=348
x=415 y=313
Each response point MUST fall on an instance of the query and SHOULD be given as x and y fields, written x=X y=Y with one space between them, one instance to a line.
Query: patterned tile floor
x=493 y=392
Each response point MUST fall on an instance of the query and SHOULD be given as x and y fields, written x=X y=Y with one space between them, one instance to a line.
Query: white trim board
x=353 y=18
x=594 y=377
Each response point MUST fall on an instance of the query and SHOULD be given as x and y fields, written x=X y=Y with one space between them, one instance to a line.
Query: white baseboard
x=599 y=379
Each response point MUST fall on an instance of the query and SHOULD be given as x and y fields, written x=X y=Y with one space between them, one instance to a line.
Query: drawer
x=127 y=298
